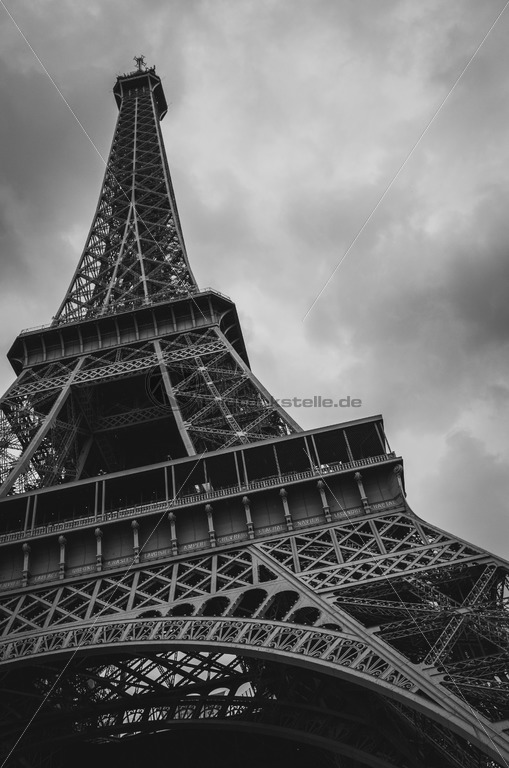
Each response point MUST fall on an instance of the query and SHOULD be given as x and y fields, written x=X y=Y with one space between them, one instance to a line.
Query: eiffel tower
x=189 y=578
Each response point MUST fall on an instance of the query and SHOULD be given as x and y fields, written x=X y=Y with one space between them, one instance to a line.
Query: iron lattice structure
x=179 y=558
x=135 y=251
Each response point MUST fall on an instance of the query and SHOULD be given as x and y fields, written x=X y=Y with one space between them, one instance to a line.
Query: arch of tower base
x=125 y=680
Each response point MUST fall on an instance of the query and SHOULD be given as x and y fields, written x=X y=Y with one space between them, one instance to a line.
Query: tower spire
x=135 y=253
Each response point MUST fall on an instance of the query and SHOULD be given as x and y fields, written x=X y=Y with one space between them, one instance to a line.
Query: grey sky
x=287 y=120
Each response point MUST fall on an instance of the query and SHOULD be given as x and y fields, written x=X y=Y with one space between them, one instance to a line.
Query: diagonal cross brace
x=43 y=430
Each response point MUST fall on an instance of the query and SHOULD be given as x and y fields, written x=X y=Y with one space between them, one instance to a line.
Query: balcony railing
x=196 y=498
x=93 y=314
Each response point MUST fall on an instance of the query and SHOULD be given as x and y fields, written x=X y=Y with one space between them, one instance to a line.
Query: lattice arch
x=320 y=652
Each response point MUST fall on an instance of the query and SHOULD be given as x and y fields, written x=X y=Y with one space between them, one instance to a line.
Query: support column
x=249 y=522
x=398 y=471
x=174 y=543
x=136 y=541
x=61 y=565
x=210 y=521
x=99 y=551
x=24 y=460
x=326 y=509
x=286 y=509
x=364 y=498
x=188 y=444
x=348 y=449
x=26 y=564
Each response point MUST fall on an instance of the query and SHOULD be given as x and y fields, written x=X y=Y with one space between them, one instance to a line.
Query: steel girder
x=51 y=415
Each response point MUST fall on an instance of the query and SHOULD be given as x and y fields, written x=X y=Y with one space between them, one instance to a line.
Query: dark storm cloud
x=220 y=232
x=470 y=502
x=478 y=282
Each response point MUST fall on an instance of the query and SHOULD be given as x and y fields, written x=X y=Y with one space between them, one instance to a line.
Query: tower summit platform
x=143 y=78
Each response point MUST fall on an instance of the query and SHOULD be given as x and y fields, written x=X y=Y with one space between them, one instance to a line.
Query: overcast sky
x=288 y=119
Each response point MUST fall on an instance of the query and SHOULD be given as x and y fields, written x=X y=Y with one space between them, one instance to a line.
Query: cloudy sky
x=288 y=120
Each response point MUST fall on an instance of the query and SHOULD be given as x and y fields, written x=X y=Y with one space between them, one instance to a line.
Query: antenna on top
x=140 y=63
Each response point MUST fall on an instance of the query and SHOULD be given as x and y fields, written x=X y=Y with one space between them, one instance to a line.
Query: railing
x=98 y=313
x=195 y=498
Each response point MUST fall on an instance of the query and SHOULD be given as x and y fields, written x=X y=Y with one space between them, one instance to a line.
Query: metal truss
x=385 y=635
x=369 y=550
x=135 y=252
x=53 y=413
x=221 y=402
x=161 y=693
x=119 y=707
x=38 y=433
x=437 y=607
